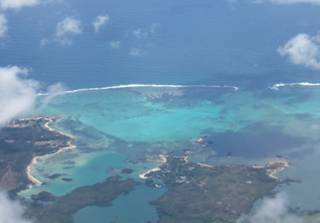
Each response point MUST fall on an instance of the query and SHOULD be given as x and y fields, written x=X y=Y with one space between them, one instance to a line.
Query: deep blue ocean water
x=192 y=42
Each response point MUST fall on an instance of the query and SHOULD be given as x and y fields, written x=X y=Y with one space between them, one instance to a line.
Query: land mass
x=196 y=192
x=21 y=143
x=47 y=208
x=200 y=193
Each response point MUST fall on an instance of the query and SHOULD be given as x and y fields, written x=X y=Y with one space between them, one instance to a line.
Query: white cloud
x=143 y=38
x=11 y=211
x=303 y=49
x=44 y=42
x=18 y=94
x=272 y=210
x=136 y=52
x=115 y=44
x=67 y=28
x=295 y=1
x=140 y=34
x=17 y=4
x=53 y=91
x=145 y=33
x=3 y=26
x=100 y=21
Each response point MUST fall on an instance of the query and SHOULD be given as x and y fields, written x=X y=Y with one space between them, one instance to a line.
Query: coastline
x=162 y=160
x=30 y=177
x=143 y=176
x=35 y=159
x=273 y=167
x=276 y=166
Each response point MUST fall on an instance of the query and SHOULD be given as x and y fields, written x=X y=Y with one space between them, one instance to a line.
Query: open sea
x=179 y=42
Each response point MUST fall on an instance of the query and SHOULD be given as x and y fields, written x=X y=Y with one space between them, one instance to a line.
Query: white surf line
x=235 y=88
x=277 y=86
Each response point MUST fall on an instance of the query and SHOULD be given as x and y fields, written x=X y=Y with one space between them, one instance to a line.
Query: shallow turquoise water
x=88 y=169
x=130 y=127
x=133 y=118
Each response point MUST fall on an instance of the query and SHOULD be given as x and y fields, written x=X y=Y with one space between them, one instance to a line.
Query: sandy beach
x=35 y=160
x=273 y=167
x=143 y=176
x=276 y=166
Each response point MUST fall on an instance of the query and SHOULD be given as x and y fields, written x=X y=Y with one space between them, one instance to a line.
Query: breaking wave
x=278 y=86
x=235 y=88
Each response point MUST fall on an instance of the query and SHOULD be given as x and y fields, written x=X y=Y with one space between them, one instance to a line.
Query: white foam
x=277 y=86
x=235 y=88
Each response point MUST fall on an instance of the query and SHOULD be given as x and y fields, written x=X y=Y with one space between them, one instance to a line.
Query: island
x=46 y=208
x=193 y=192
x=202 y=193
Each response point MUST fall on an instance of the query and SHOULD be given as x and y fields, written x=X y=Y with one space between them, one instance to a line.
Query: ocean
x=180 y=42
x=166 y=44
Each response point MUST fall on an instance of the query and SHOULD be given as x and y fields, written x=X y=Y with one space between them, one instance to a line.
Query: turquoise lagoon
x=129 y=128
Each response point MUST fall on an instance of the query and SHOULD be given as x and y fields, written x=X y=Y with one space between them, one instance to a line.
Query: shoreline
x=162 y=160
x=276 y=166
x=143 y=176
x=35 y=159
x=273 y=167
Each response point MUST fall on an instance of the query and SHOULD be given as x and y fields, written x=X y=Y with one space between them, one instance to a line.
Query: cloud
x=11 y=211
x=303 y=49
x=145 y=33
x=115 y=44
x=17 y=4
x=143 y=38
x=140 y=34
x=18 y=94
x=100 y=21
x=272 y=210
x=136 y=52
x=44 y=42
x=13 y=5
x=53 y=91
x=67 y=28
x=293 y=1
x=3 y=26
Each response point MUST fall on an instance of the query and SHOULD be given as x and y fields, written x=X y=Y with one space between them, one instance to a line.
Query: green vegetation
x=50 y=209
x=196 y=193
x=204 y=194
x=19 y=143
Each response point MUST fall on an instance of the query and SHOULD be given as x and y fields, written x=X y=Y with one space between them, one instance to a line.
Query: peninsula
x=22 y=143
x=199 y=193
